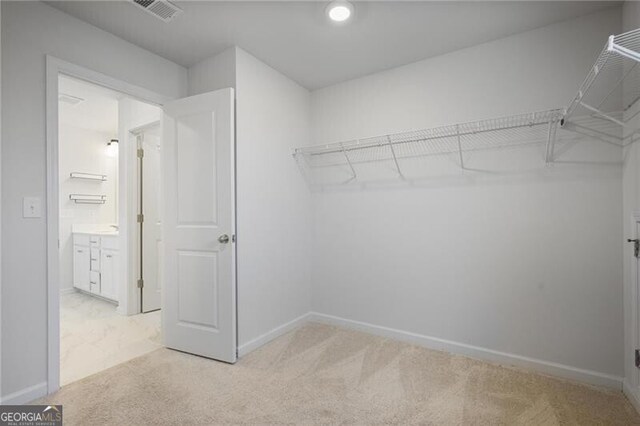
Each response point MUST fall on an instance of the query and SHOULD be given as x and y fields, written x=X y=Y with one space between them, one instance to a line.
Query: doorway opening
x=197 y=287
x=107 y=315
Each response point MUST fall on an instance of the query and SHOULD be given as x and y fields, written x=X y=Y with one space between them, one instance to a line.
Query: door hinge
x=636 y=246
x=140 y=218
x=140 y=153
x=140 y=283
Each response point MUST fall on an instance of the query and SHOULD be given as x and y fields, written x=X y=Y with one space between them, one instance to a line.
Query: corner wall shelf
x=88 y=198
x=610 y=89
x=88 y=176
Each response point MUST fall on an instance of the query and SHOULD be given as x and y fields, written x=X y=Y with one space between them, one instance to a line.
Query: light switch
x=31 y=207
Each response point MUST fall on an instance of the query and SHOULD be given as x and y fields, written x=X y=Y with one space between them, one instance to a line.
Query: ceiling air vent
x=161 y=9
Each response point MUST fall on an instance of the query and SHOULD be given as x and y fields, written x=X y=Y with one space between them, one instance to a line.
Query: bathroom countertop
x=104 y=229
x=101 y=233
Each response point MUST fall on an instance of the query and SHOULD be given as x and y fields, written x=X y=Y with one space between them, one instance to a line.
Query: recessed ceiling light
x=339 y=11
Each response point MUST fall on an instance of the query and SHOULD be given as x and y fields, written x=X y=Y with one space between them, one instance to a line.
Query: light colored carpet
x=323 y=374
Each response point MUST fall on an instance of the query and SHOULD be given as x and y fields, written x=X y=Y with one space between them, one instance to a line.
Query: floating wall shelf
x=88 y=198
x=88 y=176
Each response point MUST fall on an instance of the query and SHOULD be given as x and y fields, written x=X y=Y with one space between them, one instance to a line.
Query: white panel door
x=152 y=225
x=199 y=303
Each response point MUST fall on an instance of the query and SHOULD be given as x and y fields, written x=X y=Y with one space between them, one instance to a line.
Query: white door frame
x=635 y=300
x=135 y=296
x=55 y=67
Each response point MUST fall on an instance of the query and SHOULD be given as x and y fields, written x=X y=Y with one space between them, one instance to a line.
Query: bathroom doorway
x=101 y=307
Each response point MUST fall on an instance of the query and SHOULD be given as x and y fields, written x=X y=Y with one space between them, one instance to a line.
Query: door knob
x=223 y=239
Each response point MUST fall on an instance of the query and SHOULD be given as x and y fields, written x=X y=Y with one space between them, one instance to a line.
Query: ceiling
x=98 y=111
x=296 y=39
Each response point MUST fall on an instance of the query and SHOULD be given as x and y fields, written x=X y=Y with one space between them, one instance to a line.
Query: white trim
x=0 y=207
x=144 y=127
x=631 y=395
x=270 y=335
x=537 y=365
x=631 y=383
x=26 y=395
x=67 y=290
x=55 y=67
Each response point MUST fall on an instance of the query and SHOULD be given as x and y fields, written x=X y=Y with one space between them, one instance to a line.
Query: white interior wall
x=84 y=151
x=273 y=202
x=631 y=206
x=30 y=31
x=217 y=72
x=277 y=215
x=518 y=267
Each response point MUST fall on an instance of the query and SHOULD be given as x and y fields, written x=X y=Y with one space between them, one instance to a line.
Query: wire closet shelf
x=600 y=110
x=603 y=105
x=456 y=139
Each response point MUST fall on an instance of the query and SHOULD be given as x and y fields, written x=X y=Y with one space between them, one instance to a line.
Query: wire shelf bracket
x=395 y=158
x=460 y=156
x=346 y=157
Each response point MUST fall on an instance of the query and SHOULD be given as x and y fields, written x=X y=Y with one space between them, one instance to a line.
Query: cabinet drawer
x=94 y=241
x=95 y=259
x=94 y=282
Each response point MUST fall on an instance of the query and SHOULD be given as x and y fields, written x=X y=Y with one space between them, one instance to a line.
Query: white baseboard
x=67 y=290
x=270 y=335
x=631 y=394
x=540 y=366
x=25 y=396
